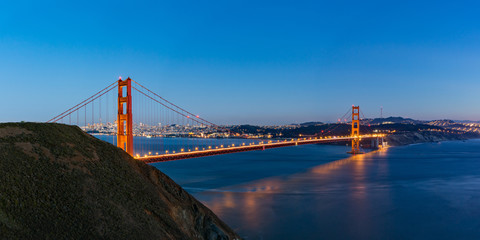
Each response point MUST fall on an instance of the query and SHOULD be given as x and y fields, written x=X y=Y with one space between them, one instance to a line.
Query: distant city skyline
x=248 y=62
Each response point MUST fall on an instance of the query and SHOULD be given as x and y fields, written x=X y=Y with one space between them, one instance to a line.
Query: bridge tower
x=124 y=116
x=356 y=130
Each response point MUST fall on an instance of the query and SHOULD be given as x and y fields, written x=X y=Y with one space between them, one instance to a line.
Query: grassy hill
x=59 y=183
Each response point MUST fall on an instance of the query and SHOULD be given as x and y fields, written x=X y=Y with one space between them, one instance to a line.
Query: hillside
x=60 y=183
x=405 y=138
x=394 y=120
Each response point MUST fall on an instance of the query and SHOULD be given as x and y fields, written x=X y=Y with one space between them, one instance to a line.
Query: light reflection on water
x=257 y=203
x=426 y=191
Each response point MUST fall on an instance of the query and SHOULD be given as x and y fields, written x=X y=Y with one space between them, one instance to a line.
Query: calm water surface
x=424 y=191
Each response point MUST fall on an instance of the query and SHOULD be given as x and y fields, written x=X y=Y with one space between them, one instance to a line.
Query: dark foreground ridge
x=59 y=183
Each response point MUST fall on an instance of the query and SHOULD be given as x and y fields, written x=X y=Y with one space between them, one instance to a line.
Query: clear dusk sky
x=257 y=62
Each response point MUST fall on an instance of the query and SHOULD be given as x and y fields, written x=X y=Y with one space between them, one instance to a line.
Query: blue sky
x=258 y=62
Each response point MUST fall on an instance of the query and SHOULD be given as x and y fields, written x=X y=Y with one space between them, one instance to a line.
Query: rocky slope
x=406 y=138
x=60 y=183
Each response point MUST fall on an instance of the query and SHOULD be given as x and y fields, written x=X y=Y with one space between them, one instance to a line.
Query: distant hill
x=246 y=128
x=306 y=124
x=58 y=182
x=395 y=120
x=465 y=121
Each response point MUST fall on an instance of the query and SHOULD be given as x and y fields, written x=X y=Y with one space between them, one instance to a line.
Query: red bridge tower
x=356 y=130
x=124 y=117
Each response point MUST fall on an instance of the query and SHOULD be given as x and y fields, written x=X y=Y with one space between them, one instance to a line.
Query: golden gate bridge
x=140 y=112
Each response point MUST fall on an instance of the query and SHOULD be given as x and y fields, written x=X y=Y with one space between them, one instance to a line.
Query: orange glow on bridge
x=253 y=147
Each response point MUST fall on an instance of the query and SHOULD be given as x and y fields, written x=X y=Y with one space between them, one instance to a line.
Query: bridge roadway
x=251 y=147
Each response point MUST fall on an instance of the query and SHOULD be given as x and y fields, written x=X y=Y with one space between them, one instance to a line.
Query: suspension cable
x=194 y=117
x=60 y=115
x=78 y=106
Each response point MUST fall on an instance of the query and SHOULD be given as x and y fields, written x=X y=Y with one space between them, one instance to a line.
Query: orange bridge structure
x=157 y=118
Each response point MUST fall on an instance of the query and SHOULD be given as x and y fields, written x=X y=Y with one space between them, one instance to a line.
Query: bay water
x=422 y=191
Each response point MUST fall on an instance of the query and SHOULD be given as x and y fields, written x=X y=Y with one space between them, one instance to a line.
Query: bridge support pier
x=381 y=142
